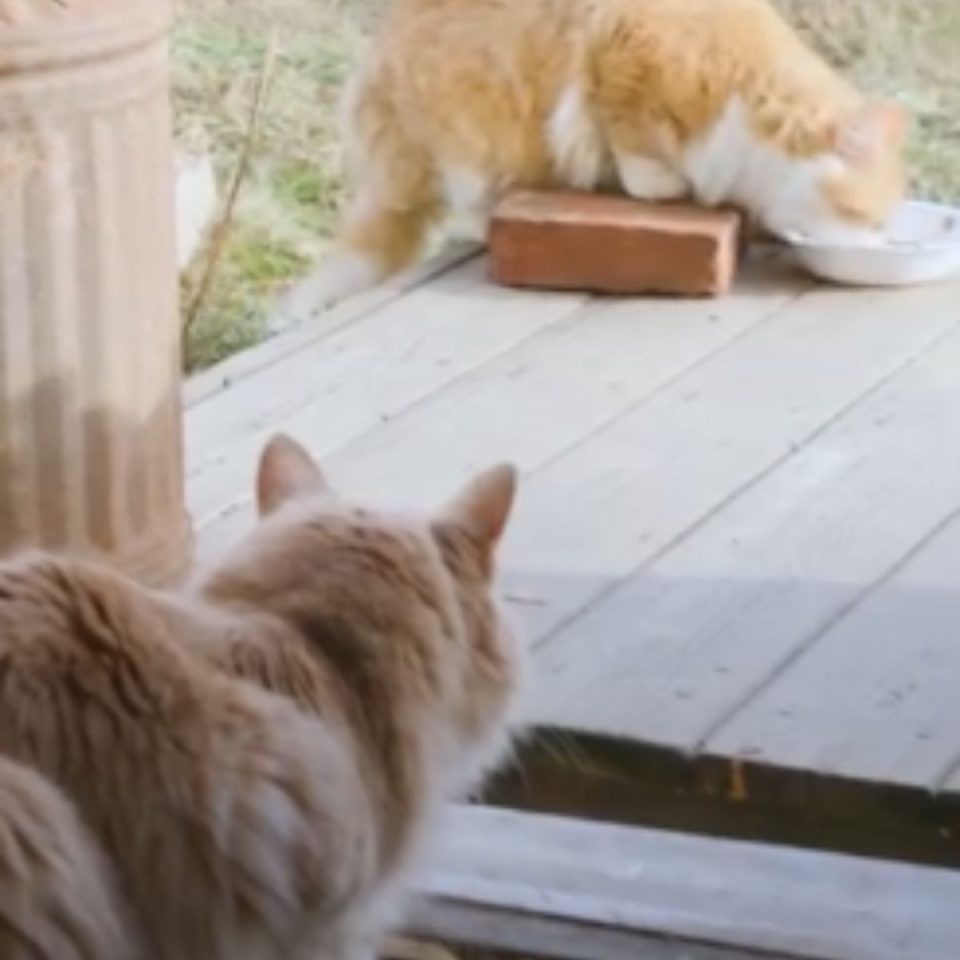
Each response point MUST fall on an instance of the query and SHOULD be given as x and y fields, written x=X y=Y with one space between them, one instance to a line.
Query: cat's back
x=683 y=63
x=57 y=897
x=729 y=39
x=448 y=44
x=72 y=631
x=227 y=814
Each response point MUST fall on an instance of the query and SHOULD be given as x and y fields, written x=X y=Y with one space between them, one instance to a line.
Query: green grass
x=287 y=207
x=287 y=203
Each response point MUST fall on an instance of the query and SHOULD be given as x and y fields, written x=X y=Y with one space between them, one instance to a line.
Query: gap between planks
x=348 y=382
x=228 y=372
x=879 y=685
x=504 y=406
x=639 y=488
x=683 y=641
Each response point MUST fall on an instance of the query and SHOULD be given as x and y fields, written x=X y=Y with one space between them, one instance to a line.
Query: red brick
x=611 y=244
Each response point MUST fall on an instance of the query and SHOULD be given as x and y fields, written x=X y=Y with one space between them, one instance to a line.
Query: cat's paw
x=469 y=226
x=295 y=307
x=646 y=179
x=345 y=274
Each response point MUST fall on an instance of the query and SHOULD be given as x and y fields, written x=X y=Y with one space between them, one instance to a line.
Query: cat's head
x=415 y=592
x=856 y=184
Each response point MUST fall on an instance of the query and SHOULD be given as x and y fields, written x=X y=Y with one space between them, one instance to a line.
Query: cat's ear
x=877 y=127
x=483 y=506
x=286 y=471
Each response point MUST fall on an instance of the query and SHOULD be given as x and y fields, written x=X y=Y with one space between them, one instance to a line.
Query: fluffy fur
x=719 y=100
x=57 y=900
x=260 y=759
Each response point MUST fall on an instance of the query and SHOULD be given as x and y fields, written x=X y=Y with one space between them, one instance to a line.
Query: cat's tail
x=57 y=900
x=376 y=241
x=395 y=204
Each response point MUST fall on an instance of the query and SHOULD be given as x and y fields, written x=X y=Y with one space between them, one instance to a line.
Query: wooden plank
x=411 y=948
x=691 y=894
x=508 y=408
x=501 y=933
x=678 y=647
x=203 y=385
x=596 y=515
x=348 y=382
x=875 y=697
x=555 y=389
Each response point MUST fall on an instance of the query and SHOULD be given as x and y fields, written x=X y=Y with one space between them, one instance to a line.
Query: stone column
x=91 y=442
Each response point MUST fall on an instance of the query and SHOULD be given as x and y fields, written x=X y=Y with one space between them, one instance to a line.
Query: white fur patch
x=469 y=197
x=576 y=144
x=647 y=179
x=343 y=274
x=465 y=189
x=731 y=164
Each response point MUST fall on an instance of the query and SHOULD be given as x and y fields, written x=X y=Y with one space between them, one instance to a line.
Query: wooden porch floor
x=737 y=549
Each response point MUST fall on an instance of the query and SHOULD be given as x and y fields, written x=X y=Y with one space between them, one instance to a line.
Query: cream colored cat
x=719 y=100
x=259 y=760
x=57 y=896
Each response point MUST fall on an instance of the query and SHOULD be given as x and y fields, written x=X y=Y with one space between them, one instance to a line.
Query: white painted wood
x=724 y=469
x=539 y=399
x=875 y=696
x=555 y=389
x=359 y=375
x=202 y=386
x=688 y=892
x=596 y=515
x=683 y=643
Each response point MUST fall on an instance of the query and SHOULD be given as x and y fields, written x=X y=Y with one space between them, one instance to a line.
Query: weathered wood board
x=735 y=551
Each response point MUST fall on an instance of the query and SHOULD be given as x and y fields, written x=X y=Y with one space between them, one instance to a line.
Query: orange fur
x=460 y=99
x=260 y=759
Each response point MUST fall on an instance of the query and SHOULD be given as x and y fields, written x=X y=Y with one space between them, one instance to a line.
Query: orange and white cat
x=256 y=761
x=717 y=100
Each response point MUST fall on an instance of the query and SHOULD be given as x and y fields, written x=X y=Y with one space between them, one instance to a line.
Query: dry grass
x=286 y=204
x=907 y=48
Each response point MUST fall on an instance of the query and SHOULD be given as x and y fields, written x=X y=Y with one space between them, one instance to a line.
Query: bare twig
x=221 y=229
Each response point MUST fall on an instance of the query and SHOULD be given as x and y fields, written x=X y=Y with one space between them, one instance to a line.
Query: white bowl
x=921 y=244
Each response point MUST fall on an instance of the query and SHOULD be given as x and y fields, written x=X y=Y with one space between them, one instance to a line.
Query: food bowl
x=920 y=245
